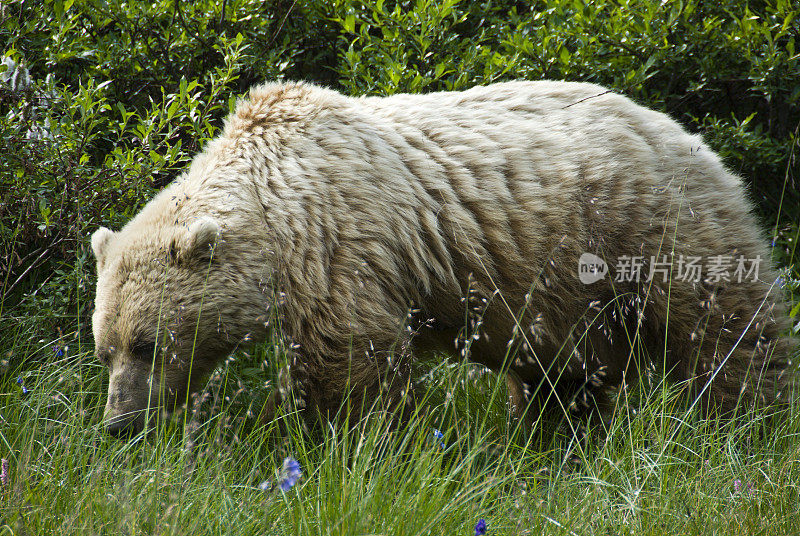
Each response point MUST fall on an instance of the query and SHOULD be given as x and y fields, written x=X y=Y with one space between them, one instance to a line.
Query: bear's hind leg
x=733 y=355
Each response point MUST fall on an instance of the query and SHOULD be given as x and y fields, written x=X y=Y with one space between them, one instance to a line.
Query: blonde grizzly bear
x=556 y=231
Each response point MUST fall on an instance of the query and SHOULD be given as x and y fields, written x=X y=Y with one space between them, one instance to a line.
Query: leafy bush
x=104 y=102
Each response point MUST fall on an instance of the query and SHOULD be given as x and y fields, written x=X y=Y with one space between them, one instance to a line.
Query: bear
x=555 y=232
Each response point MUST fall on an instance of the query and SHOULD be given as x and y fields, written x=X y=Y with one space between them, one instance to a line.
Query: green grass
x=658 y=470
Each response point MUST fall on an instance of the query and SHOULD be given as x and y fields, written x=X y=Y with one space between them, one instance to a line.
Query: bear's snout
x=128 y=399
x=122 y=421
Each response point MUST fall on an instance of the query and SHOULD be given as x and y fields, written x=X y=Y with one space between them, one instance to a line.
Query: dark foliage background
x=103 y=102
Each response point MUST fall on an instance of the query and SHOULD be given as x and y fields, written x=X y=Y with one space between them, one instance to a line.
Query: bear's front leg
x=346 y=387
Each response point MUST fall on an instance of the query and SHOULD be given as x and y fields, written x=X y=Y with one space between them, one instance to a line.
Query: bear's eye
x=104 y=355
x=143 y=349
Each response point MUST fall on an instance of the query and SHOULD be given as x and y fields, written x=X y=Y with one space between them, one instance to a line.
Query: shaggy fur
x=470 y=209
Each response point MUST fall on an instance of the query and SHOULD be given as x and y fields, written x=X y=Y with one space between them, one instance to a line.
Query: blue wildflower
x=438 y=436
x=265 y=486
x=59 y=350
x=480 y=527
x=24 y=389
x=290 y=474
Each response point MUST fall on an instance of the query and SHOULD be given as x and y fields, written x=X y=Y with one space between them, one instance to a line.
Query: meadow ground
x=660 y=469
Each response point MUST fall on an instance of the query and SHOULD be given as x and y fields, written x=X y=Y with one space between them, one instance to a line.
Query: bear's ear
x=198 y=243
x=100 y=241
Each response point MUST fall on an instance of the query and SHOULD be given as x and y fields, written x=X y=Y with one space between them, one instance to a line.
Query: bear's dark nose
x=121 y=428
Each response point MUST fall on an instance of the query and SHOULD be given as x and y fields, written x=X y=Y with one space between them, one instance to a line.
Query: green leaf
x=349 y=23
x=564 y=55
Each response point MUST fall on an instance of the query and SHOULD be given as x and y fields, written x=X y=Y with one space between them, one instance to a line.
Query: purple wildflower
x=290 y=473
x=4 y=473
x=750 y=488
x=19 y=380
x=265 y=486
x=480 y=527
x=59 y=350
x=737 y=485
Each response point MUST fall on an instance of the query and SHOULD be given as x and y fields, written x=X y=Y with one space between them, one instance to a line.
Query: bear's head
x=159 y=320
